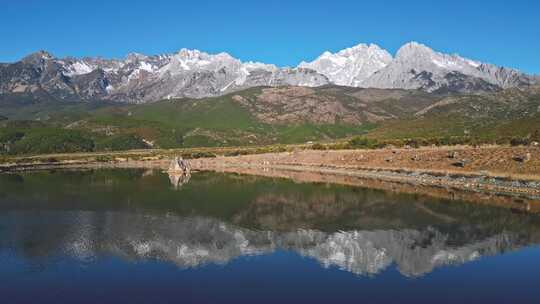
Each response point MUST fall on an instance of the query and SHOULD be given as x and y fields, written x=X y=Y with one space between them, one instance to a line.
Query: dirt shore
x=493 y=169
x=502 y=176
x=516 y=163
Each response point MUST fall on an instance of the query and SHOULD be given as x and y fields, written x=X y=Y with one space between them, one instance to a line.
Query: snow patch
x=79 y=68
x=146 y=66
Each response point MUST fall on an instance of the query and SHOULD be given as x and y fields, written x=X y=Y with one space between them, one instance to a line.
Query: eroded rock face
x=287 y=105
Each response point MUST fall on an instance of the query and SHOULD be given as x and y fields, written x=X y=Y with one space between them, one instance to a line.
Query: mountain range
x=191 y=73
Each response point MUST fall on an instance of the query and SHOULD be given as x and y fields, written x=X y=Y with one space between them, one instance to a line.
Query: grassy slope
x=223 y=122
x=168 y=124
x=211 y=122
x=507 y=114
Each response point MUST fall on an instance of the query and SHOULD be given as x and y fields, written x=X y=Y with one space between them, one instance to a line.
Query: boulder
x=461 y=163
x=179 y=165
x=522 y=158
x=452 y=154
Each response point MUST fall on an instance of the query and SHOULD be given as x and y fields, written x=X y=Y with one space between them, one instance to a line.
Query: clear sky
x=280 y=32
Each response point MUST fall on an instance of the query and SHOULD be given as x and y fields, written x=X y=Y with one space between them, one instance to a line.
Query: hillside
x=506 y=114
x=269 y=115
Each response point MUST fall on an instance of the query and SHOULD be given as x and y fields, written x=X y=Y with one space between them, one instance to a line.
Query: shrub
x=236 y=153
x=318 y=146
x=338 y=146
x=195 y=155
x=7 y=138
x=24 y=124
x=10 y=136
x=52 y=141
x=413 y=143
x=535 y=136
x=279 y=149
x=518 y=141
x=363 y=142
x=121 y=142
x=104 y=158
x=502 y=141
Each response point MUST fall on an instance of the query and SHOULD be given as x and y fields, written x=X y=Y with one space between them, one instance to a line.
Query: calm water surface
x=136 y=236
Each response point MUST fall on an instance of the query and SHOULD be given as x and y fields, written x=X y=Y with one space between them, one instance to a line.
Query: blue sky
x=280 y=32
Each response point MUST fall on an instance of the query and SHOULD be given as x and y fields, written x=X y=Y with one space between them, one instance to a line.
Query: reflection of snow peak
x=195 y=241
x=351 y=251
x=370 y=252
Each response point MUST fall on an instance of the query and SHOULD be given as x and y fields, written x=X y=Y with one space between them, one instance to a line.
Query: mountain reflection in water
x=216 y=218
x=195 y=241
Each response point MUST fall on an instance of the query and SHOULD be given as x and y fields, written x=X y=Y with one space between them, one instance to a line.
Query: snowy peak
x=192 y=54
x=38 y=57
x=359 y=49
x=421 y=55
x=201 y=58
x=135 y=56
x=351 y=66
x=191 y=60
x=411 y=49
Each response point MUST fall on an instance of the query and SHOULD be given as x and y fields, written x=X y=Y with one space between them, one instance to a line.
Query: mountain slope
x=267 y=115
x=502 y=115
x=262 y=115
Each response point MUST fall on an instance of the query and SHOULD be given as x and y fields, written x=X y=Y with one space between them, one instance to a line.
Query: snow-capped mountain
x=140 y=78
x=196 y=74
x=351 y=66
x=416 y=66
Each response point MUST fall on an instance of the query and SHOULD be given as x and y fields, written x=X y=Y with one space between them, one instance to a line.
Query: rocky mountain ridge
x=140 y=78
x=416 y=66
x=191 y=73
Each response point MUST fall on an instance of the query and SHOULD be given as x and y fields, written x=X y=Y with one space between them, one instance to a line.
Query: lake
x=141 y=236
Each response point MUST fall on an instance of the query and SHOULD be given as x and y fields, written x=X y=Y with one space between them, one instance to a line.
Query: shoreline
x=464 y=182
x=484 y=173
